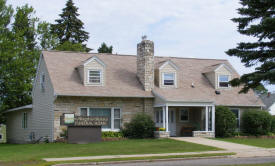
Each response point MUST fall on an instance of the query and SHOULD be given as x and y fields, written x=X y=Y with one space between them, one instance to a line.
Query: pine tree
x=257 y=20
x=105 y=49
x=69 y=28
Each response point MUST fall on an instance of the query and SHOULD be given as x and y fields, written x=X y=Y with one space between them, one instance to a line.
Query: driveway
x=241 y=150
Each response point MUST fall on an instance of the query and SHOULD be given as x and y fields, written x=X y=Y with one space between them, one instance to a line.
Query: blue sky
x=181 y=28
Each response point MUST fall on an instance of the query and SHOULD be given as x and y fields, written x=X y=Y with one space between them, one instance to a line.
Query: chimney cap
x=144 y=37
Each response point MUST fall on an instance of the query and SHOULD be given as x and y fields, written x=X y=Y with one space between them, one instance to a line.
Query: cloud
x=187 y=28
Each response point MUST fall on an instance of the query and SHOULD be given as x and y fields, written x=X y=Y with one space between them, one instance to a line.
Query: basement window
x=168 y=78
x=94 y=76
x=223 y=81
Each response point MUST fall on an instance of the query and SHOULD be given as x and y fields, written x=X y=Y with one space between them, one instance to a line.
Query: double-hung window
x=94 y=76
x=224 y=81
x=113 y=115
x=168 y=78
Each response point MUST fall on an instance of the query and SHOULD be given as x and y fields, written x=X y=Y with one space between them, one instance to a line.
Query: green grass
x=32 y=153
x=259 y=142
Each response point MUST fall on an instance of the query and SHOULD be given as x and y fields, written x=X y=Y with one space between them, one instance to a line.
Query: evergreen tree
x=257 y=20
x=105 y=49
x=69 y=28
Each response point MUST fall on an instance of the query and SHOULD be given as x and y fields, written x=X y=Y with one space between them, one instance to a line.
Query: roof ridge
x=91 y=53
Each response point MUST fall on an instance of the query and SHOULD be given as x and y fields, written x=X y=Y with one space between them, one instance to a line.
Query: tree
x=69 y=28
x=105 y=49
x=18 y=56
x=257 y=20
x=48 y=41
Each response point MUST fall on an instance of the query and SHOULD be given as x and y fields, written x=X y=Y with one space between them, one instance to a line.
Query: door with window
x=172 y=121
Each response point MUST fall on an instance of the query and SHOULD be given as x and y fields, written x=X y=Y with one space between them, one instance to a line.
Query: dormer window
x=94 y=76
x=168 y=79
x=223 y=81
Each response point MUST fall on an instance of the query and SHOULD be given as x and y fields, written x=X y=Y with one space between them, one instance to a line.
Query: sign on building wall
x=72 y=120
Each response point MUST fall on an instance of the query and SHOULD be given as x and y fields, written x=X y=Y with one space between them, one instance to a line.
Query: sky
x=179 y=28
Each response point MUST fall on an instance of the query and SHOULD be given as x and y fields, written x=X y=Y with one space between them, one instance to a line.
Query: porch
x=196 y=119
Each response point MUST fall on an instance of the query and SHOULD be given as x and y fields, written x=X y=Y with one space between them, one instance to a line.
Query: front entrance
x=172 y=122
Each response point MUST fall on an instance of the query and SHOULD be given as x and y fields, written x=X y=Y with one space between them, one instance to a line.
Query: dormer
x=166 y=73
x=219 y=75
x=92 y=72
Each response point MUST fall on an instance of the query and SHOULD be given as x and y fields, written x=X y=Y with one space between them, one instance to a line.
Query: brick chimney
x=145 y=63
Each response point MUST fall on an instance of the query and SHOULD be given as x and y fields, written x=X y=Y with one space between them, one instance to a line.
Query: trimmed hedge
x=140 y=126
x=226 y=122
x=273 y=124
x=256 y=122
x=111 y=134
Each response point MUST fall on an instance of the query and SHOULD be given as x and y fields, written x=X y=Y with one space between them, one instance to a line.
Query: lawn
x=260 y=142
x=13 y=153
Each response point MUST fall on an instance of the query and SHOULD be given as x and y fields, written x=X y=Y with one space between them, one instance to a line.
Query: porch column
x=166 y=117
x=213 y=118
x=163 y=117
x=206 y=118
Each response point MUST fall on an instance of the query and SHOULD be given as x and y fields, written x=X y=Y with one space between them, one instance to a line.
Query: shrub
x=256 y=122
x=273 y=124
x=111 y=134
x=226 y=122
x=140 y=126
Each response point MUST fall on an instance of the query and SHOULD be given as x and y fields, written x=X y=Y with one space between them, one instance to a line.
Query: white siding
x=271 y=109
x=42 y=115
x=15 y=132
x=167 y=69
x=94 y=65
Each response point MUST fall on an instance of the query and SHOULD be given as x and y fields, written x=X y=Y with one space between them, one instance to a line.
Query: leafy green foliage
x=258 y=20
x=105 y=49
x=68 y=46
x=256 y=122
x=47 y=40
x=273 y=125
x=18 y=55
x=140 y=126
x=226 y=122
x=70 y=29
x=111 y=134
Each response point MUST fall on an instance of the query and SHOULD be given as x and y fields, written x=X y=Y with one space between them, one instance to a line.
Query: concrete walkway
x=129 y=156
x=240 y=149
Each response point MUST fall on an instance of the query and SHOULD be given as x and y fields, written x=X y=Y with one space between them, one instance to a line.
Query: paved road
x=193 y=162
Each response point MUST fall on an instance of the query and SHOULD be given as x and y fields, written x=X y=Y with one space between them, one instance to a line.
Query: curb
x=141 y=161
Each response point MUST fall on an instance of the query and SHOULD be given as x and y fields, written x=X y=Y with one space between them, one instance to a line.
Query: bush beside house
x=140 y=126
x=226 y=122
x=256 y=122
x=273 y=124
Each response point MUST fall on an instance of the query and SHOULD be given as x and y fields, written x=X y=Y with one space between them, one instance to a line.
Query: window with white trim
x=184 y=115
x=236 y=112
x=113 y=115
x=224 y=81
x=168 y=78
x=25 y=120
x=94 y=76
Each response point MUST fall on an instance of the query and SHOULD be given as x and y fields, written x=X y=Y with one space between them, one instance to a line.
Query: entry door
x=172 y=122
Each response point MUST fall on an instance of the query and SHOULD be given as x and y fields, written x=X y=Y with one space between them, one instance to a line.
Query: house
x=269 y=101
x=180 y=94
